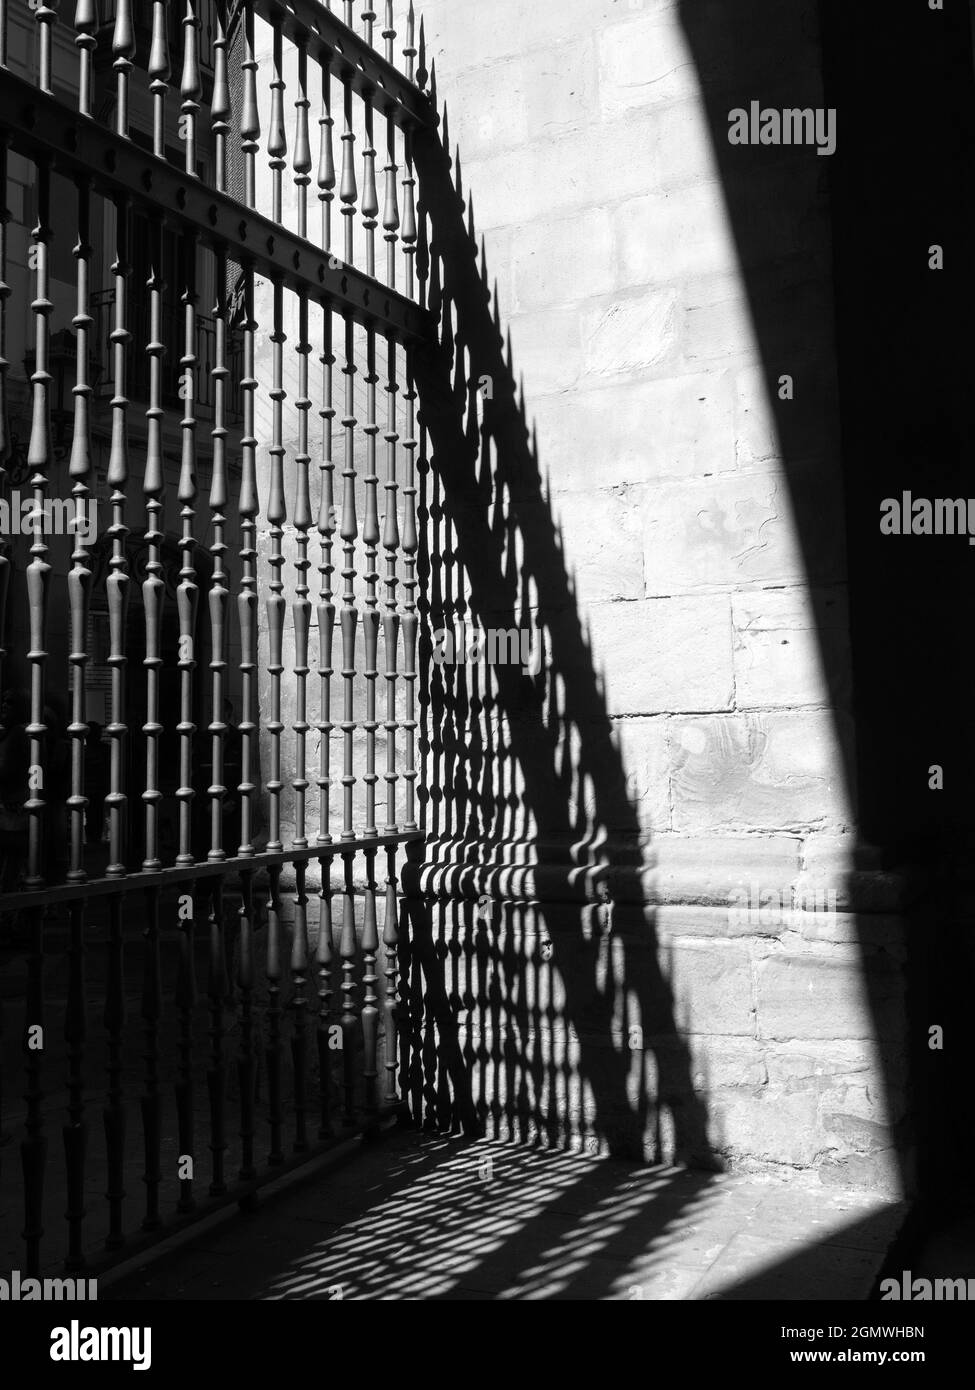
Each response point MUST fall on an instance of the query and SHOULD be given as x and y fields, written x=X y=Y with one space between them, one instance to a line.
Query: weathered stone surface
x=822 y=993
x=760 y=1124
x=564 y=261
x=643 y=793
x=626 y=337
x=791 y=648
x=565 y=174
x=543 y=99
x=727 y=1061
x=669 y=235
x=613 y=434
x=601 y=531
x=532 y=336
x=719 y=533
x=794 y=1064
x=711 y=982
x=711 y=868
x=756 y=435
x=645 y=62
x=664 y=655
x=768 y=772
x=465 y=36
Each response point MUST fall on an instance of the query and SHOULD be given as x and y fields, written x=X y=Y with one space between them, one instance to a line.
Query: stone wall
x=651 y=914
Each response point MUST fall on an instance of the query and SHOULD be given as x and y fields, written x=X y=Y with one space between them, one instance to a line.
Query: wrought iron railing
x=142 y=19
x=145 y=933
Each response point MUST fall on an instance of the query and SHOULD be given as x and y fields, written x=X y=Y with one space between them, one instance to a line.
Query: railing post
x=123 y=49
x=391 y=1002
x=370 y=617
x=153 y=586
x=187 y=599
x=324 y=955
x=348 y=951
x=326 y=160
x=247 y=600
x=218 y=989
x=349 y=531
x=117 y=594
x=326 y=607
x=79 y=594
x=301 y=612
x=191 y=87
x=159 y=72
x=33 y=1150
x=301 y=161
x=85 y=23
x=370 y=999
x=276 y=515
x=273 y=1049
x=245 y=1059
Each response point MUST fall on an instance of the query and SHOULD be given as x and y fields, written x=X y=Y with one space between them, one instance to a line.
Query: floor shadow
x=432 y=1218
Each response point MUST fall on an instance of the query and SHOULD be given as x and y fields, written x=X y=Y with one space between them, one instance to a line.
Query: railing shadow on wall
x=551 y=1001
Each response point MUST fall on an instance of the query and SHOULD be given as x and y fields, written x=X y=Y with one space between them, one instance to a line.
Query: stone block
x=555 y=177
x=557 y=261
x=719 y=533
x=472 y=36
x=636 y=431
x=829 y=992
x=626 y=337
x=717 y=321
x=625 y=778
x=722 y=1061
x=645 y=62
x=537 y=99
x=759 y=1124
x=792 y=648
x=773 y=772
x=600 y=536
x=756 y=432
x=711 y=869
x=673 y=235
x=532 y=336
x=662 y=656
x=711 y=983
x=680 y=149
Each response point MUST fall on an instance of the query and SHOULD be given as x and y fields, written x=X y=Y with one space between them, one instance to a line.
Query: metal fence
x=167 y=919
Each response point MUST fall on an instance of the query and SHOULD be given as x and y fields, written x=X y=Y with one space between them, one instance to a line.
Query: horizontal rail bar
x=206 y=868
x=41 y=127
x=351 y=58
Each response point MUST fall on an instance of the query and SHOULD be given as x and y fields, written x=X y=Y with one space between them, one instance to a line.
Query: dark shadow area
x=840 y=246
x=201 y=1016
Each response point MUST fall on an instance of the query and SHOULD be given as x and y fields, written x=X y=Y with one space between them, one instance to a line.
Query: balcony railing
x=142 y=21
x=284 y=1046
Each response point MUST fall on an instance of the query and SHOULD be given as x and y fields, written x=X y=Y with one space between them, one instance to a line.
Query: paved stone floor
x=418 y=1217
